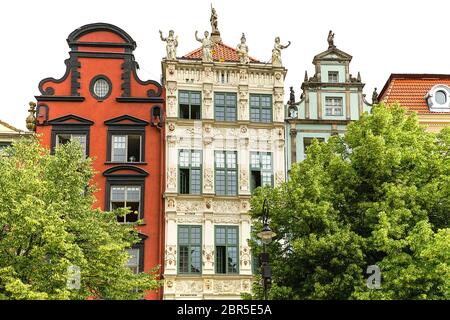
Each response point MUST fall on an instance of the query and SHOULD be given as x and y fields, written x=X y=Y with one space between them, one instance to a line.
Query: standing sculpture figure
x=375 y=96
x=291 y=96
x=171 y=46
x=213 y=20
x=206 y=46
x=330 y=40
x=276 y=52
x=242 y=51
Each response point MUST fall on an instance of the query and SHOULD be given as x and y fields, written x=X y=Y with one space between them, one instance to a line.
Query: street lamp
x=266 y=236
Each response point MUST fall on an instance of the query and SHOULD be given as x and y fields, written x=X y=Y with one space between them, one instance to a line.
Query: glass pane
x=219 y=99
x=133 y=261
x=231 y=182
x=184 y=158
x=266 y=101
x=101 y=88
x=220 y=182
x=184 y=111
x=195 y=98
x=266 y=178
x=196 y=159
x=62 y=139
x=184 y=181
x=231 y=160
x=254 y=101
x=232 y=236
x=183 y=263
x=195 y=112
x=183 y=97
x=266 y=115
x=119 y=152
x=232 y=260
x=195 y=181
x=441 y=97
x=183 y=235
x=254 y=114
x=133 y=193
x=220 y=113
x=118 y=193
x=195 y=259
x=196 y=235
x=220 y=160
x=231 y=100
x=220 y=236
x=266 y=161
x=254 y=160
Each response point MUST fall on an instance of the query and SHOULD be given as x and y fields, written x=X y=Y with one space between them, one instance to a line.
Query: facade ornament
x=375 y=96
x=358 y=77
x=31 y=119
x=242 y=50
x=276 y=51
x=207 y=45
x=291 y=96
x=306 y=76
x=330 y=40
x=171 y=44
x=213 y=20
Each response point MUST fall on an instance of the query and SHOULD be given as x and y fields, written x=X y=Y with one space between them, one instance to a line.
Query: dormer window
x=333 y=76
x=438 y=98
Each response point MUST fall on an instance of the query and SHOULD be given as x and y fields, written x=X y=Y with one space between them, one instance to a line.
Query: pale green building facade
x=330 y=100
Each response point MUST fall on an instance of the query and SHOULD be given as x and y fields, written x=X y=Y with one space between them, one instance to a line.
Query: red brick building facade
x=117 y=117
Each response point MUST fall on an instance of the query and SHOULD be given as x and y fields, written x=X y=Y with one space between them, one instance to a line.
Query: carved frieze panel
x=190 y=206
x=171 y=178
x=226 y=206
x=170 y=257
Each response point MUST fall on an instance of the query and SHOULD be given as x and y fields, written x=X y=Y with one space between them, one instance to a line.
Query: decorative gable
x=126 y=120
x=332 y=54
x=71 y=119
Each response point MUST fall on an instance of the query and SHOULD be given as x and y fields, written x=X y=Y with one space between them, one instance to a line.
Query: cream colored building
x=224 y=132
x=8 y=134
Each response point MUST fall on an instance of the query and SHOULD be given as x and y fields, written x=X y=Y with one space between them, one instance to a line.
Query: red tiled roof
x=410 y=90
x=221 y=52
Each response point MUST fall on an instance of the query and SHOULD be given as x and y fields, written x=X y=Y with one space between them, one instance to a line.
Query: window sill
x=126 y=163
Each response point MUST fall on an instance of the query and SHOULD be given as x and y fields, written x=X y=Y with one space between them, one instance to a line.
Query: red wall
x=98 y=112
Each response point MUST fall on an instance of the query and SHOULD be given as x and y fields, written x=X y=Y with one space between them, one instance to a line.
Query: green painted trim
x=260 y=108
x=252 y=187
x=189 y=250
x=226 y=169
x=225 y=106
x=226 y=249
x=190 y=171
x=189 y=94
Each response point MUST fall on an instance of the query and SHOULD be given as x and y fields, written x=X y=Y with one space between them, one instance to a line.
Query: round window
x=100 y=87
x=441 y=97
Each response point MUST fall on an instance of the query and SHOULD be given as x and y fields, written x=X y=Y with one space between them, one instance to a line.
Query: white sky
x=384 y=37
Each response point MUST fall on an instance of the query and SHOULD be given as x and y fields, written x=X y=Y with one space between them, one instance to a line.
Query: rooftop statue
x=242 y=50
x=276 y=51
x=207 y=45
x=330 y=40
x=213 y=20
x=171 y=46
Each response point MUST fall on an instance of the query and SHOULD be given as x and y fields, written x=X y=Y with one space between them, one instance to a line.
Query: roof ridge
x=7 y=125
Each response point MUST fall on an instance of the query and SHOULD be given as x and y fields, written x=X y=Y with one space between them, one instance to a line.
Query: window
x=260 y=169
x=260 y=108
x=133 y=261
x=189 y=249
x=308 y=141
x=190 y=169
x=126 y=197
x=333 y=106
x=126 y=148
x=333 y=76
x=189 y=104
x=226 y=172
x=4 y=145
x=100 y=87
x=441 y=97
x=227 y=242
x=63 y=138
x=225 y=106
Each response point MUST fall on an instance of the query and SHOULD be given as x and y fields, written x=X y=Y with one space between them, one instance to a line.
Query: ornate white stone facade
x=209 y=135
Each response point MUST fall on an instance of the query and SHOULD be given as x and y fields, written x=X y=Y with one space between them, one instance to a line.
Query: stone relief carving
x=245 y=205
x=190 y=206
x=171 y=256
x=189 y=219
x=208 y=178
x=226 y=220
x=243 y=75
x=188 y=286
x=171 y=127
x=279 y=177
x=208 y=256
x=171 y=178
x=226 y=206
x=171 y=110
x=172 y=88
x=171 y=203
x=243 y=180
x=244 y=256
x=227 y=286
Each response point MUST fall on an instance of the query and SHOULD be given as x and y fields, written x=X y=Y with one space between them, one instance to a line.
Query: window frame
x=140 y=246
x=119 y=130
x=260 y=153
x=320 y=139
x=225 y=106
x=125 y=180
x=260 y=108
x=237 y=246
x=189 y=245
x=92 y=84
x=333 y=73
x=200 y=151
x=226 y=170
x=333 y=106
x=189 y=92
x=70 y=129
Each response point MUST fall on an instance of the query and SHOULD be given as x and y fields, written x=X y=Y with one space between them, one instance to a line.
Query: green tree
x=47 y=223
x=379 y=195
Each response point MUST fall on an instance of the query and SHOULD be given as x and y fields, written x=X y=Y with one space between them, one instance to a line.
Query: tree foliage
x=379 y=195
x=47 y=223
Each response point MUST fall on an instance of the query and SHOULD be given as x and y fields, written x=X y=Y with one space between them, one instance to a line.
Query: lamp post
x=266 y=236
